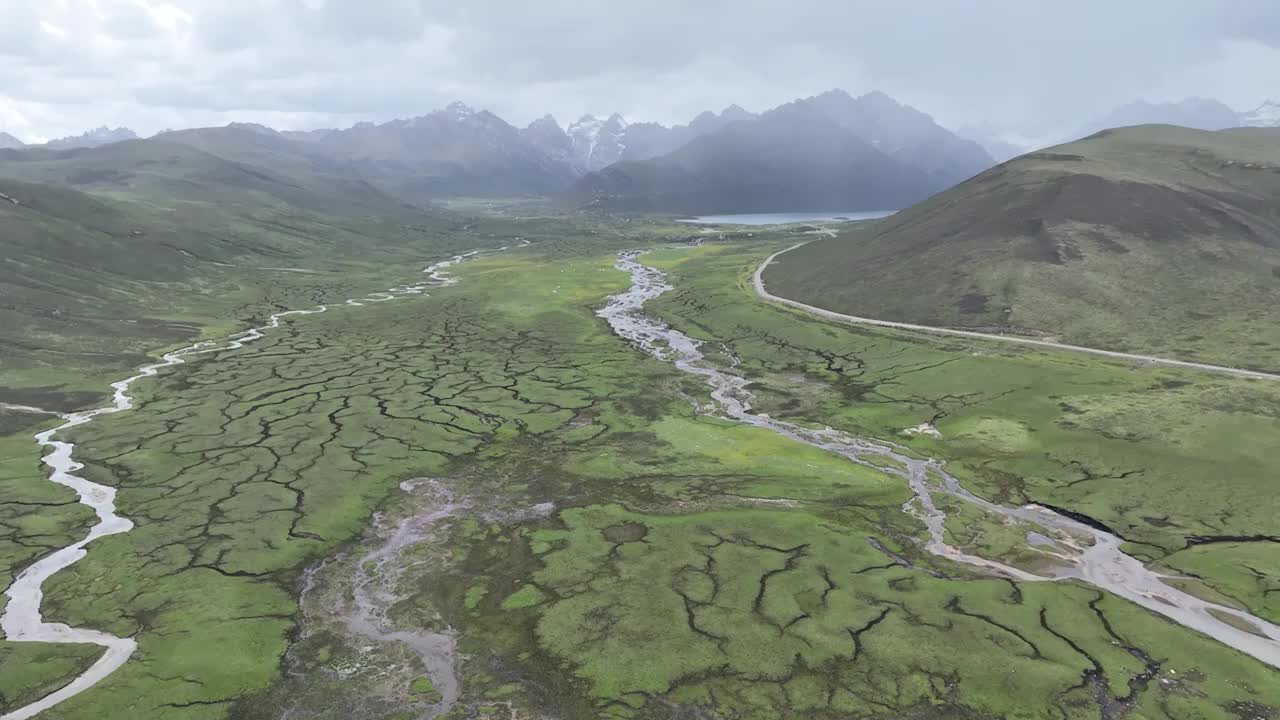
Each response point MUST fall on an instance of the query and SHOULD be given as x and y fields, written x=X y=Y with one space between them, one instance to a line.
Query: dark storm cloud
x=1033 y=67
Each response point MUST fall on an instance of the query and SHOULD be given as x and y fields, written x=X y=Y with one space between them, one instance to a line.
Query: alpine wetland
x=316 y=406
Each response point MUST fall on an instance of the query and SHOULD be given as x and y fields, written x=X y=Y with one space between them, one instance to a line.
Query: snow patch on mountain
x=597 y=143
x=1265 y=115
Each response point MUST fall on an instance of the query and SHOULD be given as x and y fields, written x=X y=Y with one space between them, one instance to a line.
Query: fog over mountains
x=828 y=152
x=870 y=149
x=832 y=151
x=1196 y=113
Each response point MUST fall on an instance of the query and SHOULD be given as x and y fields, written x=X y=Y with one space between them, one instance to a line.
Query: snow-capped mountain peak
x=459 y=110
x=586 y=127
x=597 y=143
x=1265 y=115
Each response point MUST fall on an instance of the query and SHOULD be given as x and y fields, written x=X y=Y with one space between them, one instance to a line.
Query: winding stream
x=373 y=591
x=1098 y=560
x=22 y=621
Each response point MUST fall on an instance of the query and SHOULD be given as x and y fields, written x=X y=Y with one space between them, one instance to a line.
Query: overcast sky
x=1034 y=67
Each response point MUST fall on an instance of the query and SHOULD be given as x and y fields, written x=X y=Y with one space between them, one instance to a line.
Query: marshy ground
x=576 y=539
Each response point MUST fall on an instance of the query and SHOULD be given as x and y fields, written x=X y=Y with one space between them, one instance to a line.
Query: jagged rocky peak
x=597 y=143
x=547 y=137
x=546 y=122
x=708 y=122
x=94 y=138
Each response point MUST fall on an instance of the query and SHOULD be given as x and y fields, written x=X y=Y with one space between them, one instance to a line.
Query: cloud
x=1033 y=67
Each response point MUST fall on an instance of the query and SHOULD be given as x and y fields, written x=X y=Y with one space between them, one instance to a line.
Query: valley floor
x=484 y=503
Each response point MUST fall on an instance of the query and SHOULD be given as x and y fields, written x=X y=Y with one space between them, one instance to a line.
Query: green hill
x=110 y=253
x=1152 y=239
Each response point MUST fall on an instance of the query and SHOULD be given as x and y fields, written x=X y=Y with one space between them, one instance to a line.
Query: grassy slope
x=1153 y=239
x=116 y=252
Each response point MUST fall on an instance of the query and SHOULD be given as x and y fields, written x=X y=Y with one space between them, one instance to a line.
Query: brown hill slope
x=1151 y=239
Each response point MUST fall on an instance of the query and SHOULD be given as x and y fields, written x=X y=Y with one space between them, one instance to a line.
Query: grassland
x=1155 y=240
x=1091 y=436
x=600 y=549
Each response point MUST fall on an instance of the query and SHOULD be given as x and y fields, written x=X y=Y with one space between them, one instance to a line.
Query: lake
x=786 y=218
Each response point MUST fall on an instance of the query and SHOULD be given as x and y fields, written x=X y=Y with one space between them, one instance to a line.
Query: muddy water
x=373 y=590
x=22 y=621
x=1096 y=557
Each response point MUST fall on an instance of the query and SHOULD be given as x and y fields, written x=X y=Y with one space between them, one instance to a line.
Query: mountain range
x=828 y=152
x=1196 y=113
x=463 y=151
x=732 y=160
x=92 y=138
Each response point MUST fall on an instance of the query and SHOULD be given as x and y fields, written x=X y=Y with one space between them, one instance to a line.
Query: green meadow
x=597 y=547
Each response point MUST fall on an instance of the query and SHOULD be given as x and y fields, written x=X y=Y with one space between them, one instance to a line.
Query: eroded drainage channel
x=22 y=620
x=1100 y=563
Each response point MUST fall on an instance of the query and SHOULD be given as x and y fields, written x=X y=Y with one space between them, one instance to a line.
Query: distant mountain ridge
x=828 y=152
x=459 y=150
x=93 y=138
x=906 y=134
x=1196 y=113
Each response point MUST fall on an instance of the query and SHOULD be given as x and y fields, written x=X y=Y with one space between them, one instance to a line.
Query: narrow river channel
x=22 y=620
x=1100 y=563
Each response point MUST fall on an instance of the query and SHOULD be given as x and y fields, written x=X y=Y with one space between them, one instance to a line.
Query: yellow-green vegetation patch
x=1237 y=622
x=526 y=596
x=1246 y=573
x=998 y=435
x=29 y=671
x=568 y=282
x=801 y=471
x=997 y=537
x=425 y=689
x=474 y=595
x=668 y=258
